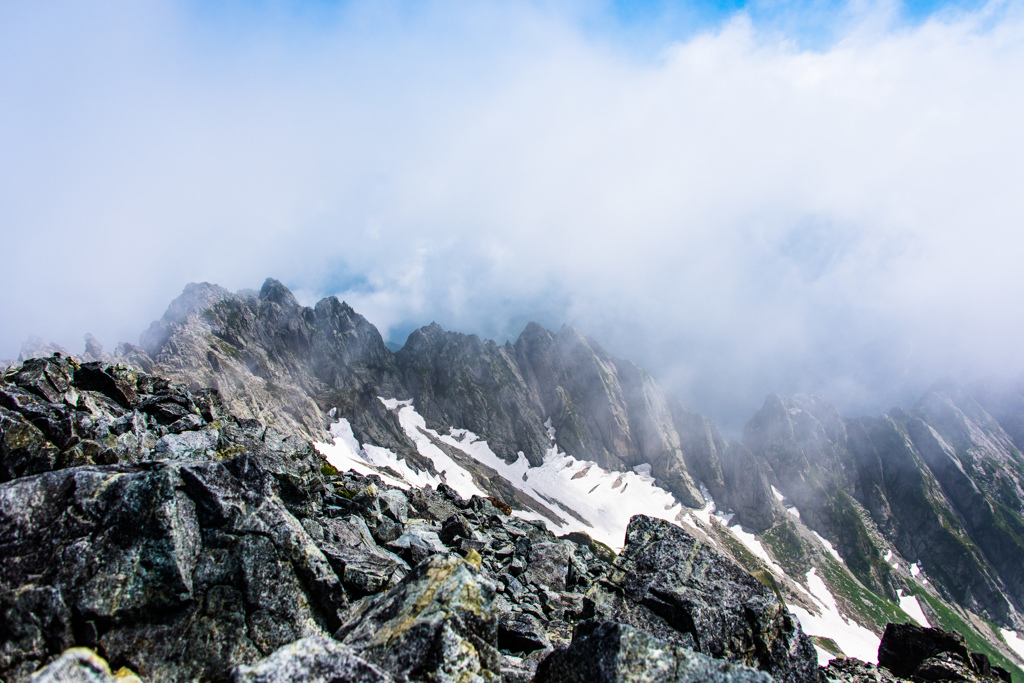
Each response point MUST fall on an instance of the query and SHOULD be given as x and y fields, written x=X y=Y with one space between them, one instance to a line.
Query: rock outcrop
x=211 y=547
x=913 y=653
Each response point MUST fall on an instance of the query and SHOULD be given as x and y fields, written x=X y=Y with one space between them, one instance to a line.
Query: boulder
x=76 y=665
x=519 y=632
x=395 y=505
x=905 y=646
x=678 y=589
x=549 y=565
x=363 y=566
x=311 y=660
x=24 y=449
x=438 y=623
x=200 y=445
x=417 y=544
x=607 y=652
x=931 y=654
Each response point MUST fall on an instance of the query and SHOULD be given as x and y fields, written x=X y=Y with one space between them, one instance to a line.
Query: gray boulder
x=672 y=586
x=608 y=652
x=311 y=660
x=76 y=665
x=549 y=564
x=438 y=624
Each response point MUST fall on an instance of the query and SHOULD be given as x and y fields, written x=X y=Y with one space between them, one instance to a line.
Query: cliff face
x=272 y=359
x=941 y=483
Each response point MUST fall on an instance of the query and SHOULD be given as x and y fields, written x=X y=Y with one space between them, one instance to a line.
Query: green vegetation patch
x=787 y=547
x=828 y=645
x=740 y=553
x=860 y=553
x=866 y=606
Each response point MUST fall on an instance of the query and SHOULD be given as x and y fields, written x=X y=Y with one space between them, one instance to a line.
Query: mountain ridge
x=874 y=488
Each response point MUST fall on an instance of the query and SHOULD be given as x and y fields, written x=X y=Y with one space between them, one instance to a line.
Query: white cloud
x=738 y=213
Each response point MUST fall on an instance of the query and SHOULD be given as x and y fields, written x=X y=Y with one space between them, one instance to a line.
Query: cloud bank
x=737 y=208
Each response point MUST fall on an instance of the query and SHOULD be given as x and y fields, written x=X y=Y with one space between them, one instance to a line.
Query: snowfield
x=582 y=496
x=852 y=638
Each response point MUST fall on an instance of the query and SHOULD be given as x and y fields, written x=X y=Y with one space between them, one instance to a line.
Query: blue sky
x=776 y=196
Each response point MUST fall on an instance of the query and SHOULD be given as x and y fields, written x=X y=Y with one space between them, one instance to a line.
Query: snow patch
x=828 y=546
x=415 y=427
x=824 y=656
x=910 y=605
x=346 y=454
x=550 y=428
x=793 y=511
x=570 y=488
x=704 y=514
x=852 y=638
x=1015 y=642
x=393 y=403
x=915 y=569
x=778 y=496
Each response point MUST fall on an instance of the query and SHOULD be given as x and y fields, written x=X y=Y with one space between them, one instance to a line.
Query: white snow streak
x=414 y=427
x=346 y=454
x=910 y=605
x=852 y=638
x=915 y=569
x=828 y=546
x=1015 y=642
x=605 y=499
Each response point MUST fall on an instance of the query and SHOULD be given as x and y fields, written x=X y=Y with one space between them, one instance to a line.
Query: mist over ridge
x=731 y=209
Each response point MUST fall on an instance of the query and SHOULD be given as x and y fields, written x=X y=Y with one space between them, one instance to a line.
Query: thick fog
x=743 y=203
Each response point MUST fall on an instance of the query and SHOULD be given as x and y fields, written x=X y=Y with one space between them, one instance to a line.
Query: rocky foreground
x=147 y=532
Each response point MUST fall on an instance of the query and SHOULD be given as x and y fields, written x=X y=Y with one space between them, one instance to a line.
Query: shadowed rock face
x=931 y=654
x=610 y=652
x=941 y=483
x=275 y=360
x=603 y=409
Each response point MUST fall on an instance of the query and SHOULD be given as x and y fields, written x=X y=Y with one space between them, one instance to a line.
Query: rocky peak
x=272 y=358
x=275 y=292
x=37 y=347
x=963 y=422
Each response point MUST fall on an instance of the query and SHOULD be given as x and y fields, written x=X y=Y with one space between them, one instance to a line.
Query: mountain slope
x=848 y=519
